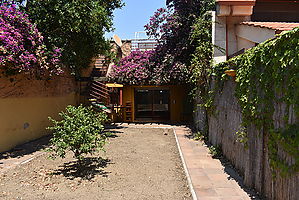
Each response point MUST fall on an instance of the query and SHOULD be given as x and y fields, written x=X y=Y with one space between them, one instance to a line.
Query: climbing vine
x=268 y=75
x=287 y=139
x=201 y=58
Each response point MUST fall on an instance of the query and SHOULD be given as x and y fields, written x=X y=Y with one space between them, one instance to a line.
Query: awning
x=114 y=85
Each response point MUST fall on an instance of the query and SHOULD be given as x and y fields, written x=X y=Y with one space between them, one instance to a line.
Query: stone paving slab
x=208 y=177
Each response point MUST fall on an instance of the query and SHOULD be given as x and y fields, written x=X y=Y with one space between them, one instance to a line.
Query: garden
x=136 y=164
x=85 y=157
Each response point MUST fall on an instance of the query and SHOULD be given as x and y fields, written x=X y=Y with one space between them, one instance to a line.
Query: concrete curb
x=19 y=161
x=185 y=167
x=32 y=158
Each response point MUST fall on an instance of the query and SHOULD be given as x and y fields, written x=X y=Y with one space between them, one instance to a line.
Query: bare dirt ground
x=138 y=164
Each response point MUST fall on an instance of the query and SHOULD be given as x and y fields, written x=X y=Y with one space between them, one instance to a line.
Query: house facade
x=136 y=102
x=166 y=103
x=243 y=24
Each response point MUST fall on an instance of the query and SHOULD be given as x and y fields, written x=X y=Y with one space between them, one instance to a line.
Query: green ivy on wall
x=266 y=75
x=289 y=141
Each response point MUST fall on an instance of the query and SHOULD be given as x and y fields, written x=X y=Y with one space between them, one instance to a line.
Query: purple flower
x=21 y=44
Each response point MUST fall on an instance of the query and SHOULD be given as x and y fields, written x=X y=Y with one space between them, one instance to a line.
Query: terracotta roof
x=278 y=26
x=232 y=0
x=236 y=2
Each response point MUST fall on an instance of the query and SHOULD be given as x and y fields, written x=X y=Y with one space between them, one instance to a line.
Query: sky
x=133 y=16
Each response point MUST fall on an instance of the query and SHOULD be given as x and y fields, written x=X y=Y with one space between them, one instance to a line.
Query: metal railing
x=143 y=44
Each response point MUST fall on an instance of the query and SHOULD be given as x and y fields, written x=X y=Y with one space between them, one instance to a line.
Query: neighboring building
x=242 y=24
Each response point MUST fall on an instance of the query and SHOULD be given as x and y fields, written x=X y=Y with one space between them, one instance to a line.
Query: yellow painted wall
x=178 y=98
x=25 y=118
x=128 y=96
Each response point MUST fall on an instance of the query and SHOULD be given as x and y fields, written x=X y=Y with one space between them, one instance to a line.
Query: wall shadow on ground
x=229 y=169
x=27 y=148
x=234 y=175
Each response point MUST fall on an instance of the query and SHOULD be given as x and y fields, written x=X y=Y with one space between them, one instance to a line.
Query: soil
x=138 y=164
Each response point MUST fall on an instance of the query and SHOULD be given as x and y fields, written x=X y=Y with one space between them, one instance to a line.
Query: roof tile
x=279 y=26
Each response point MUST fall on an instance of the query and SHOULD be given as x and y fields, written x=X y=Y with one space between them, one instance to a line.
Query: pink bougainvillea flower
x=21 y=44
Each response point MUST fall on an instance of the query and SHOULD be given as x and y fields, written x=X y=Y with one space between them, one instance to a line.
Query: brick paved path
x=208 y=176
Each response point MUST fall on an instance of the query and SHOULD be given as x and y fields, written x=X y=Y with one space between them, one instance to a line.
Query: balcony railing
x=143 y=44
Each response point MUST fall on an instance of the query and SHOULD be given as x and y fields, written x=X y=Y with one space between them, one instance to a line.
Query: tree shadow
x=111 y=133
x=111 y=130
x=114 y=126
x=85 y=169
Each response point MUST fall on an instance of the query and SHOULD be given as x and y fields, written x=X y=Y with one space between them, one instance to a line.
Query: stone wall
x=252 y=162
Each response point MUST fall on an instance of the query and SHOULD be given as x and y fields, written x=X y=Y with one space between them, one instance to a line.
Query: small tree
x=81 y=131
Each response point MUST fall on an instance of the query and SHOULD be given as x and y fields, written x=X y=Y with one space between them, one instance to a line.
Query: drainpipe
x=226 y=37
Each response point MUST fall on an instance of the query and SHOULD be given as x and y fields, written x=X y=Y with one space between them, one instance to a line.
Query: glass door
x=160 y=104
x=143 y=104
x=152 y=104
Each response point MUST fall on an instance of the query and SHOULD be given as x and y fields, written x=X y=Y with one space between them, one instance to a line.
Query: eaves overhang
x=236 y=2
x=234 y=7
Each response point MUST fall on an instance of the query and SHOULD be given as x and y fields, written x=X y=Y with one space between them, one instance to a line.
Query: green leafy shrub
x=242 y=136
x=199 y=136
x=215 y=151
x=81 y=131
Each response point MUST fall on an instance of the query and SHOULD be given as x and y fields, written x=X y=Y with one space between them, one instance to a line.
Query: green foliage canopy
x=184 y=47
x=75 y=26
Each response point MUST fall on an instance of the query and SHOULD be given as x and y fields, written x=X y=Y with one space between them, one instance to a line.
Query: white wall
x=254 y=34
x=219 y=37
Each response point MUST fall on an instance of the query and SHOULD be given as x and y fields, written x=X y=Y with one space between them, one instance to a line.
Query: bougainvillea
x=172 y=27
x=160 y=24
x=132 y=69
x=77 y=27
x=21 y=45
x=139 y=69
x=175 y=29
x=183 y=48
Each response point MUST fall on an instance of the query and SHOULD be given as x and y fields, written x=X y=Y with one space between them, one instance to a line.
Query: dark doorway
x=152 y=104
